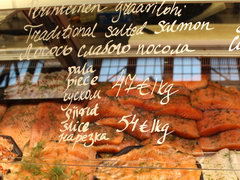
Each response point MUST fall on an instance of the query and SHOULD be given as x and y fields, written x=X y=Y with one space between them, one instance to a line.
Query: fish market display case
x=153 y=111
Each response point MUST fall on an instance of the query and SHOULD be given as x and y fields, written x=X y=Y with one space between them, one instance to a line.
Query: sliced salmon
x=150 y=162
x=143 y=117
x=189 y=146
x=218 y=120
x=103 y=86
x=181 y=91
x=111 y=148
x=47 y=125
x=132 y=101
x=228 y=139
x=180 y=106
x=177 y=106
x=108 y=107
x=213 y=97
x=183 y=127
x=114 y=137
x=62 y=154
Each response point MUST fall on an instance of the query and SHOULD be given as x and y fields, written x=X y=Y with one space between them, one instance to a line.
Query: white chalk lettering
x=235 y=44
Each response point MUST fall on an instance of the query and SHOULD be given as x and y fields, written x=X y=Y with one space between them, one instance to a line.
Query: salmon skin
x=177 y=106
x=160 y=159
x=140 y=115
x=228 y=139
x=218 y=120
x=189 y=146
x=108 y=107
x=114 y=138
x=113 y=148
x=48 y=122
x=216 y=97
x=183 y=127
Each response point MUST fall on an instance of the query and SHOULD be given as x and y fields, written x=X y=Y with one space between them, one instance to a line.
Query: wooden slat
x=168 y=68
x=131 y=69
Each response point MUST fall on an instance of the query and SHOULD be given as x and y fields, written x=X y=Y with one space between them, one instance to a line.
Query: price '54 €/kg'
x=156 y=126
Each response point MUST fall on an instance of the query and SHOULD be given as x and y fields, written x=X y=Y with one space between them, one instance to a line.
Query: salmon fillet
x=111 y=148
x=228 y=139
x=148 y=163
x=183 y=127
x=177 y=106
x=137 y=133
x=17 y=122
x=67 y=153
x=189 y=146
x=181 y=91
x=215 y=98
x=218 y=120
x=49 y=160
x=108 y=107
x=180 y=106
x=48 y=122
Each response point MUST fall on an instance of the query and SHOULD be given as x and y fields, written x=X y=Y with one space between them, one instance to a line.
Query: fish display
x=218 y=166
x=202 y=117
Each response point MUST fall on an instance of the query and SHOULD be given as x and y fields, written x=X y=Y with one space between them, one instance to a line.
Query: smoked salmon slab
x=149 y=163
x=189 y=146
x=180 y=106
x=18 y=121
x=214 y=97
x=227 y=139
x=218 y=120
x=183 y=127
x=47 y=125
x=107 y=107
x=55 y=161
x=177 y=106
x=113 y=148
